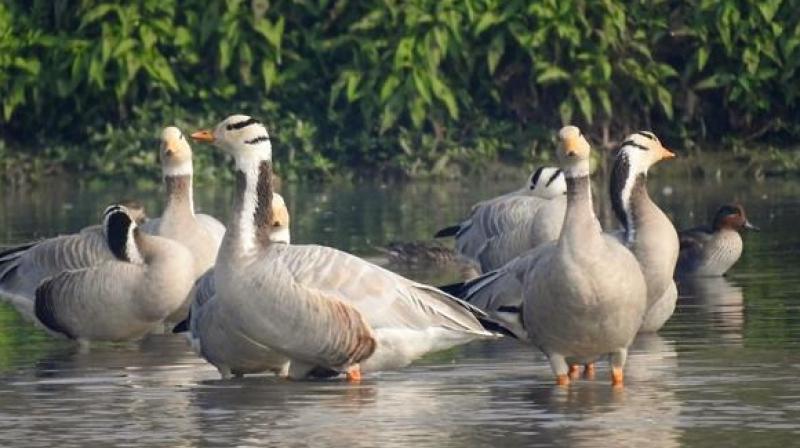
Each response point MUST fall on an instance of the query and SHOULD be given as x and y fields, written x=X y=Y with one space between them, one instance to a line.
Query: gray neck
x=579 y=220
x=179 y=194
x=252 y=208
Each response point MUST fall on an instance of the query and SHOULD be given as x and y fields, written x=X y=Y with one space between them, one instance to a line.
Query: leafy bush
x=414 y=86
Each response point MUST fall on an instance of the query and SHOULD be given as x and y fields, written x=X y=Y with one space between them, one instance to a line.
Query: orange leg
x=562 y=380
x=616 y=376
x=354 y=374
x=574 y=371
x=589 y=371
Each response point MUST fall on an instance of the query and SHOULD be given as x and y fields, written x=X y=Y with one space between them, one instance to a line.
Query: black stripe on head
x=619 y=176
x=117 y=225
x=536 y=175
x=242 y=124
x=634 y=144
x=259 y=139
x=647 y=134
x=553 y=177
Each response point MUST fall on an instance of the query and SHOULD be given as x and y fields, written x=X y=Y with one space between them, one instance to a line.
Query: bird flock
x=542 y=271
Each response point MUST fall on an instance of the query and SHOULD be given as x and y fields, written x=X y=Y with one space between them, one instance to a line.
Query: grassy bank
x=400 y=88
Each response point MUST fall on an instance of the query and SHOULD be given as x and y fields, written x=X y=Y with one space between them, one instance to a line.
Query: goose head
x=119 y=227
x=641 y=150
x=242 y=136
x=547 y=182
x=732 y=217
x=573 y=152
x=280 y=220
x=175 y=154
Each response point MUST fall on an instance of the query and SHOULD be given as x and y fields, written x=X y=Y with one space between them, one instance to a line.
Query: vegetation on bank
x=414 y=87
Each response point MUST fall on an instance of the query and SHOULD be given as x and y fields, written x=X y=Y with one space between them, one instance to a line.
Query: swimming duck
x=504 y=213
x=711 y=251
x=324 y=309
x=119 y=299
x=648 y=232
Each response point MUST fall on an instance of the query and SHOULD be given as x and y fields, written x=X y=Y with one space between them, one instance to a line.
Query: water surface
x=722 y=372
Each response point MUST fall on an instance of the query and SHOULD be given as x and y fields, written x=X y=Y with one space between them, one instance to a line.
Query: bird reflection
x=720 y=301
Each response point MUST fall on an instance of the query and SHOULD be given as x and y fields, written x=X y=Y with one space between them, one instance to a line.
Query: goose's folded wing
x=74 y=298
x=22 y=274
x=384 y=298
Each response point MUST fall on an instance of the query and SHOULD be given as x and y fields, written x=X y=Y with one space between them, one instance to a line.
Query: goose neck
x=179 y=194
x=579 y=220
x=252 y=210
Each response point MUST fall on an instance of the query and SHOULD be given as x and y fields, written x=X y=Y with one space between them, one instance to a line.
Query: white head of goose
x=547 y=182
x=648 y=232
x=364 y=317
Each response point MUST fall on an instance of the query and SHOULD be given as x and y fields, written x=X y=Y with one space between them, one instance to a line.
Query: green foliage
x=414 y=85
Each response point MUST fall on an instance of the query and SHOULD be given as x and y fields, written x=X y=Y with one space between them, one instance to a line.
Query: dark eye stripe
x=634 y=144
x=553 y=177
x=242 y=124
x=536 y=177
x=647 y=134
x=259 y=139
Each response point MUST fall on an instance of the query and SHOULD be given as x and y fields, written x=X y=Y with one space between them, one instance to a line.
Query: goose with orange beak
x=327 y=311
x=577 y=298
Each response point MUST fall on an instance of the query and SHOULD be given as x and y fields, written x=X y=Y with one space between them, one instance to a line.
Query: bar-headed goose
x=504 y=213
x=119 y=299
x=712 y=250
x=200 y=233
x=576 y=298
x=324 y=309
x=23 y=267
x=648 y=232
x=210 y=331
x=539 y=225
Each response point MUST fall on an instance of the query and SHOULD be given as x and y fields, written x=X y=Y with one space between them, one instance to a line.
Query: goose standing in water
x=575 y=298
x=504 y=213
x=586 y=296
x=200 y=233
x=712 y=250
x=648 y=232
x=23 y=267
x=324 y=309
x=119 y=299
x=210 y=331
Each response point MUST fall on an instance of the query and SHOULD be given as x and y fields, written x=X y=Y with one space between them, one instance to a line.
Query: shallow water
x=723 y=371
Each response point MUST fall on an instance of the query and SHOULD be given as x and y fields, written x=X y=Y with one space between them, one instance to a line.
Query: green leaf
x=605 y=101
x=488 y=19
x=269 y=73
x=712 y=82
x=551 y=74
x=495 y=52
x=701 y=57
x=417 y=112
x=584 y=102
x=389 y=86
x=353 y=80
x=444 y=93
x=665 y=100
x=422 y=85
x=768 y=8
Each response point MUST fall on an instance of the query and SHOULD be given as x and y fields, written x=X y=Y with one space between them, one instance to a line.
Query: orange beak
x=169 y=150
x=203 y=136
x=571 y=146
x=667 y=154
